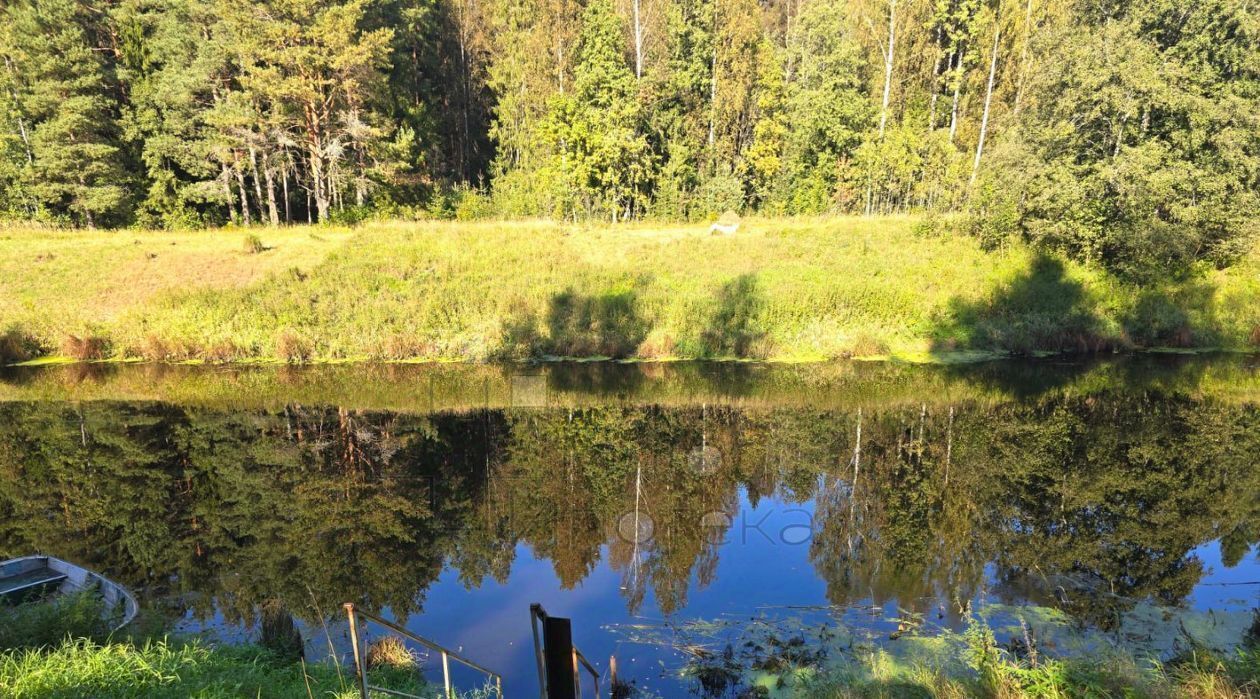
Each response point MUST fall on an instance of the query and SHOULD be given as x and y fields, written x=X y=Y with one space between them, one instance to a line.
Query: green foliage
x=59 y=93
x=600 y=164
x=1139 y=149
x=1117 y=134
x=48 y=623
x=825 y=112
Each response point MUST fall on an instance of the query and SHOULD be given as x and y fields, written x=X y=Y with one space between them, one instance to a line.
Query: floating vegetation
x=771 y=655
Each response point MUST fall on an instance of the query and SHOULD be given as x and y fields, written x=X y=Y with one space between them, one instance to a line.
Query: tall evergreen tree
x=60 y=94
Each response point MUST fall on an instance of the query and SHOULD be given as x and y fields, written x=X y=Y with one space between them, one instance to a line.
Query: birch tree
x=988 y=97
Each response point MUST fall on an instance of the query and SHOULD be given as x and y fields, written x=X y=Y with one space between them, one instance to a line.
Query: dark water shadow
x=596 y=378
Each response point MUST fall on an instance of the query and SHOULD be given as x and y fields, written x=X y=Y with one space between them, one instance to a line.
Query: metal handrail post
x=359 y=669
x=360 y=657
x=446 y=676
x=536 y=612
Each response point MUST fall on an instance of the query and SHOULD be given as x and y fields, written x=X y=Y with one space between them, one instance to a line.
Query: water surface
x=669 y=510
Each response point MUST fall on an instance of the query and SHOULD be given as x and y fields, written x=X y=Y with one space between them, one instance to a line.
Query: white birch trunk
x=953 y=110
x=988 y=101
x=638 y=40
x=888 y=65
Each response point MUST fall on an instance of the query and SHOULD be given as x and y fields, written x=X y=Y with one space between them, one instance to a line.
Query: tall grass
x=174 y=669
x=77 y=615
x=989 y=670
x=61 y=647
x=784 y=289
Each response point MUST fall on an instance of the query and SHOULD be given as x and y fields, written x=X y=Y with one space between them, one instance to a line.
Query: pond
x=672 y=511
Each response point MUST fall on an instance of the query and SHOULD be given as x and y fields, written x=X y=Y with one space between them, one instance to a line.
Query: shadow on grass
x=1161 y=316
x=576 y=325
x=1044 y=311
x=1041 y=310
x=604 y=325
x=610 y=325
x=733 y=330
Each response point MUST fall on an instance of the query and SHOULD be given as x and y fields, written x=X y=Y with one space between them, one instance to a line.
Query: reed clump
x=390 y=651
x=85 y=348
x=16 y=346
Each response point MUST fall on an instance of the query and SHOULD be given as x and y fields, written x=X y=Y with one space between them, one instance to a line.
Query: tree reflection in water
x=1086 y=500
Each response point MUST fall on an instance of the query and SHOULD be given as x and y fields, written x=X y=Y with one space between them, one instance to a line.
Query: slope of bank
x=776 y=289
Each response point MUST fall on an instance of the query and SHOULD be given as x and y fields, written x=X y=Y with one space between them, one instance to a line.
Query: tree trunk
x=1023 y=56
x=227 y=192
x=87 y=212
x=284 y=175
x=26 y=141
x=953 y=110
x=988 y=101
x=253 y=168
x=269 y=173
x=713 y=87
x=465 y=75
x=638 y=41
x=936 y=82
x=318 y=183
x=240 y=186
x=888 y=65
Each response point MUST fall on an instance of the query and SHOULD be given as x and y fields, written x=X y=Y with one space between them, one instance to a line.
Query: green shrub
x=41 y=624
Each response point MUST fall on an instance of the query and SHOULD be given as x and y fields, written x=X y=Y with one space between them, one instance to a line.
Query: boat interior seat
x=29 y=581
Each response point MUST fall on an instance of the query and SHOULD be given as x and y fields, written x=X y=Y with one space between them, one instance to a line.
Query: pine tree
x=62 y=95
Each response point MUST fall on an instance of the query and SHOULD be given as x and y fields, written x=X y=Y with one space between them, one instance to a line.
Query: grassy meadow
x=778 y=289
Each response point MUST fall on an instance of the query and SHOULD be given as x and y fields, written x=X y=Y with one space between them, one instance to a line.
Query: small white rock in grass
x=727 y=224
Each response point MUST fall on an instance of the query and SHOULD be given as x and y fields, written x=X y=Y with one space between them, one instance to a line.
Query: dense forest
x=1112 y=130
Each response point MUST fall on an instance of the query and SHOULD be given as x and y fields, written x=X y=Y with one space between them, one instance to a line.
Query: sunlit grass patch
x=162 y=668
x=778 y=289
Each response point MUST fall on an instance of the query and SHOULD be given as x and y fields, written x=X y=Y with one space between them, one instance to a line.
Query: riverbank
x=778 y=289
x=62 y=648
x=161 y=668
x=178 y=669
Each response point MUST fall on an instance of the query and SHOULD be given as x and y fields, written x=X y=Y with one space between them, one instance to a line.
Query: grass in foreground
x=780 y=289
x=169 y=669
x=1194 y=675
x=60 y=647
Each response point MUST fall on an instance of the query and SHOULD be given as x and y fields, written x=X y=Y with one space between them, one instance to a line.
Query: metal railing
x=360 y=657
x=536 y=614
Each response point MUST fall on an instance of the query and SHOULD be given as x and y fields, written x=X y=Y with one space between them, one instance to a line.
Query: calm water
x=670 y=510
